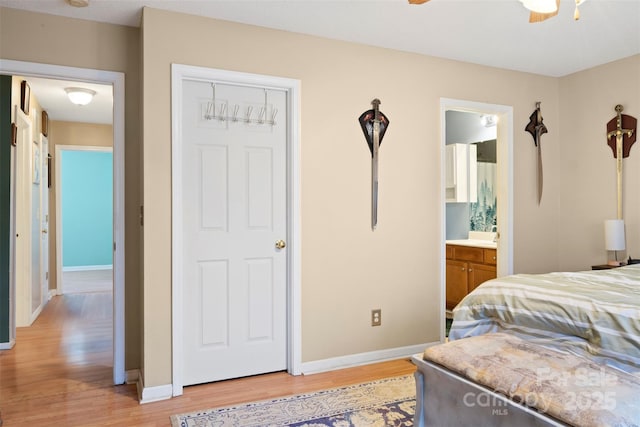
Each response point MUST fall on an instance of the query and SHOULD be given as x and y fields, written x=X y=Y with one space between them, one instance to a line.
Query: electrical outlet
x=376 y=317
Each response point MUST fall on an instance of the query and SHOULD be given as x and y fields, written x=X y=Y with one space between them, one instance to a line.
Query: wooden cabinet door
x=490 y=256
x=479 y=273
x=456 y=275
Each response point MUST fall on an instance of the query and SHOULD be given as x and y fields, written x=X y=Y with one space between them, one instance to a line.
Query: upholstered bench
x=501 y=380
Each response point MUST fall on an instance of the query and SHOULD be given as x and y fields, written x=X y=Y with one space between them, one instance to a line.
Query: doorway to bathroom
x=477 y=194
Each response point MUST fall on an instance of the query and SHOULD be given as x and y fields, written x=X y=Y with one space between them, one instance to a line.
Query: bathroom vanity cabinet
x=467 y=267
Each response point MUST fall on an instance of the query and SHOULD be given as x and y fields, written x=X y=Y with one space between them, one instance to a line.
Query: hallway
x=61 y=364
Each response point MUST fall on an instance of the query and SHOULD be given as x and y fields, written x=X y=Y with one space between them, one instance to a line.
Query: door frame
x=58 y=197
x=44 y=201
x=504 y=172
x=179 y=73
x=117 y=81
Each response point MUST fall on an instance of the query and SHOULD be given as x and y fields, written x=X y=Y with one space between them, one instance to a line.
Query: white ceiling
x=53 y=98
x=487 y=32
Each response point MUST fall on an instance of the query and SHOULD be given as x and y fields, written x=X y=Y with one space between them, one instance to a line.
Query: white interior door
x=23 y=219
x=234 y=201
x=44 y=217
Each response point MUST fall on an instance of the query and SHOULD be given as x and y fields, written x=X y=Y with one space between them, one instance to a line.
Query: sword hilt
x=619 y=131
x=538 y=113
x=376 y=109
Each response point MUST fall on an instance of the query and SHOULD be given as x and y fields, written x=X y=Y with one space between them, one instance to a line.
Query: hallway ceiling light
x=80 y=96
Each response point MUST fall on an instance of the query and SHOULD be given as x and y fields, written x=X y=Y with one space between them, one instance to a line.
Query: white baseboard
x=88 y=267
x=7 y=345
x=152 y=394
x=52 y=293
x=363 y=358
x=164 y=392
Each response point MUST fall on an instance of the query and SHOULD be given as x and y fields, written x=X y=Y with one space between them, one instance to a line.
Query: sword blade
x=540 y=175
x=619 y=143
x=374 y=174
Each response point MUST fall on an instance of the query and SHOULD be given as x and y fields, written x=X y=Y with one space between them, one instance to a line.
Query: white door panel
x=23 y=220
x=234 y=211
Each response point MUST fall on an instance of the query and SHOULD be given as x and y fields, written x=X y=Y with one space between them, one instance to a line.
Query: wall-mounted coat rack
x=216 y=110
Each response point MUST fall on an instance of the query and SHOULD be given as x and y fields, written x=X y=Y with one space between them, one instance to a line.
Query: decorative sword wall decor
x=621 y=134
x=374 y=125
x=536 y=128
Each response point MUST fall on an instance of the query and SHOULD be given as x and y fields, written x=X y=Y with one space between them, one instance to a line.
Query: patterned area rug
x=387 y=402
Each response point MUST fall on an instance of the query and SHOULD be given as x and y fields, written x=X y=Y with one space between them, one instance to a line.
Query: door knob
x=280 y=244
x=44 y=231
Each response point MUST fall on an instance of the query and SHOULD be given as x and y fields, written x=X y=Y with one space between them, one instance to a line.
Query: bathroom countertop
x=478 y=243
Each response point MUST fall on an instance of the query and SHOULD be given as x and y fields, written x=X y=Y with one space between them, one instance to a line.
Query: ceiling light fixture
x=80 y=96
x=78 y=3
x=488 y=120
x=540 y=6
x=547 y=9
x=540 y=10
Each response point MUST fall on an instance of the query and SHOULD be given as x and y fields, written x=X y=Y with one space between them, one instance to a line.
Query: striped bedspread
x=592 y=313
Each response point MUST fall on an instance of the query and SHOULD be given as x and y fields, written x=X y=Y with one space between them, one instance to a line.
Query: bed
x=589 y=320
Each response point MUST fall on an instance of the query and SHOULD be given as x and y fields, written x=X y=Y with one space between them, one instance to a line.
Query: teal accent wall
x=87 y=208
x=5 y=212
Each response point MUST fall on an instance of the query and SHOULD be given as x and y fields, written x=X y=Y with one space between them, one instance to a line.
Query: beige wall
x=588 y=195
x=346 y=269
x=69 y=133
x=86 y=44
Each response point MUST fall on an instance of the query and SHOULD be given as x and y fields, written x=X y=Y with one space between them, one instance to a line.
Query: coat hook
x=223 y=112
x=249 y=111
x=211 y=108
x=266 y=106
x=236 y=108
x=208 y=115
x=274 y=113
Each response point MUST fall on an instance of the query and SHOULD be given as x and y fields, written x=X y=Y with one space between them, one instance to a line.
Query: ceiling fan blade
x=417 y=1
x=539 y=17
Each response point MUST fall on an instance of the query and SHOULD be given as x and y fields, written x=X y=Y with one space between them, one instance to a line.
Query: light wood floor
x=59 y=374
x=87 y=281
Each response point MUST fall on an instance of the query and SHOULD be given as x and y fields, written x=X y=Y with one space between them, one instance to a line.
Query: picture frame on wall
x=45 y=123
x=25 y=96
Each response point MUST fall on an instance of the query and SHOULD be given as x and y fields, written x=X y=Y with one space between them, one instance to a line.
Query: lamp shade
x=614 y=234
